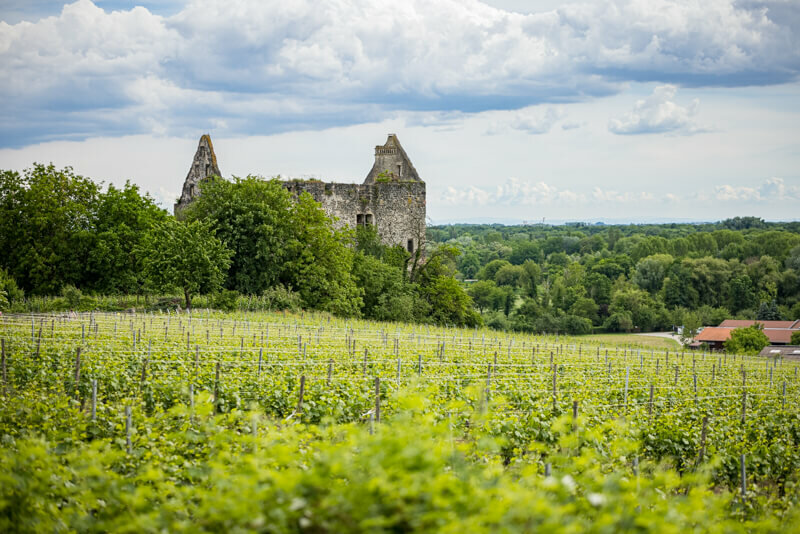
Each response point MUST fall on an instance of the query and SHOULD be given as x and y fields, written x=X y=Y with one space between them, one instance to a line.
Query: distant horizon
x=593 y=222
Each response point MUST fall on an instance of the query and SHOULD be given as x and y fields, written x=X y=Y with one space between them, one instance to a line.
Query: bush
x=496 y=320
x=576 y=326
x=74 y=299
x=748 y=340
x=72 y=296
x=282 y=298
x=10 y=288
x=226 y=300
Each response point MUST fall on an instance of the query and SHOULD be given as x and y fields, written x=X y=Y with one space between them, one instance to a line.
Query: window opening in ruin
x=399 y=170
x=368 y=218
x=410 y=246
x=360 y=219
x=364 y=219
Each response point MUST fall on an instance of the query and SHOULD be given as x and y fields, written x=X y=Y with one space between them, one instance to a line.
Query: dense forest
x=247 y=241
x=578 y=278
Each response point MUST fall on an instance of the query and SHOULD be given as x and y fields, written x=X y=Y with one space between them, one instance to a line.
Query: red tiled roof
x=711 y=333
x=778 y=336
x=775 y=335
x=734 y=323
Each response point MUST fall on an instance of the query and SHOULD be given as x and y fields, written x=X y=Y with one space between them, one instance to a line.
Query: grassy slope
x=635 y=340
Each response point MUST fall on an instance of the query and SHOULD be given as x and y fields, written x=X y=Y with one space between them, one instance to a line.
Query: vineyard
x=277 y=422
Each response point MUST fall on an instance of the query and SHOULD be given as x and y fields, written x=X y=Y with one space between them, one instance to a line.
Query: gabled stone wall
x=397 y=209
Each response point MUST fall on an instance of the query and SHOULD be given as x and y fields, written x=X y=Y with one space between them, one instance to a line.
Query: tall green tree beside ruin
x=279 y=240
x=184 y=256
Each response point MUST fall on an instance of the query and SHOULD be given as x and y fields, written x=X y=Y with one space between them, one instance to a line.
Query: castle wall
x=397 y=208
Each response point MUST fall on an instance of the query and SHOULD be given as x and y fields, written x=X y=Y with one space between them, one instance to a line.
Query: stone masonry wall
x=397 y=208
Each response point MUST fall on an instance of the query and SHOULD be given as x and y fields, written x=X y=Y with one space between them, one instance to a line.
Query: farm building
x=778 y=332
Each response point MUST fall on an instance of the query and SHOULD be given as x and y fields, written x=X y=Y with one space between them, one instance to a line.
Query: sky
x=510 y=110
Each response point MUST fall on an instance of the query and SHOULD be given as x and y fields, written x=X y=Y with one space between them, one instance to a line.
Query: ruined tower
x=392 y=163
x=204 y=165
x=392 y=197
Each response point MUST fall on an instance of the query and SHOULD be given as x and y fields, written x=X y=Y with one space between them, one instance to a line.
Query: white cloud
x=658 y=113
x=515 y=192
x=469 y=196
x=771 y=189
x=261 y=66
x=530 y=120
x=626 y=197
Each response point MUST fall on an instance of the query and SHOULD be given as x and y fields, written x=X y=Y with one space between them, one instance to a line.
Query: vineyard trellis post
x=94 y=400
x=744 y=477
x=744 y=406
x=3 y=352
x=627 y=373
x=77 y=369
x=299 y=409
x=783 y=397
x=703 y=434
x=216 y=387
x=377 y=399
x=128 y=424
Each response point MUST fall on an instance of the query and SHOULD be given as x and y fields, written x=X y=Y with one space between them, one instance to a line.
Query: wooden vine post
x=299 y=409
x=377 y=399
x=77 y=370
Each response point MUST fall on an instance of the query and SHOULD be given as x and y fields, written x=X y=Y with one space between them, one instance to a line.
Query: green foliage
x=226 y=300
x=795 y=338
x=72 y=295
x=690 y=324
x=387 y=296
x=489 y=271
x=747 y=340
x=449 y=303
x=487 y=296
x=122 y=218
x=729 y=266
x=768 y=311
x=282 y=298
x=45 y=226
x=250 y=216
x=587 y=308
x=455 y=449
x=651 y=271
x=186 y=256
x=58 y=228
x=743 y=223
x=278 y=240
x=10 y=293
x=742 y=293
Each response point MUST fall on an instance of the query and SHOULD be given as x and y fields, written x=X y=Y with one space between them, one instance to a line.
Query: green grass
x=633 y=340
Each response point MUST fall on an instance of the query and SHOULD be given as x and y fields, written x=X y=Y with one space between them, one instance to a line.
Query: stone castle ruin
x=392 y=197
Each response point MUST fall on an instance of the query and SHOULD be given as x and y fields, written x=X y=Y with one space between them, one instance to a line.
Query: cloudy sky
x=510 y=110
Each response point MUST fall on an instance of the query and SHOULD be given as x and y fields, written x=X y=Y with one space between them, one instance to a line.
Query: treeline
x=64 y=234
x=583 y=278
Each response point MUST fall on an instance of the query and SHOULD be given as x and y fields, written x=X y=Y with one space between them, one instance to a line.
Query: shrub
x=280 y=297
x=226 y=300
